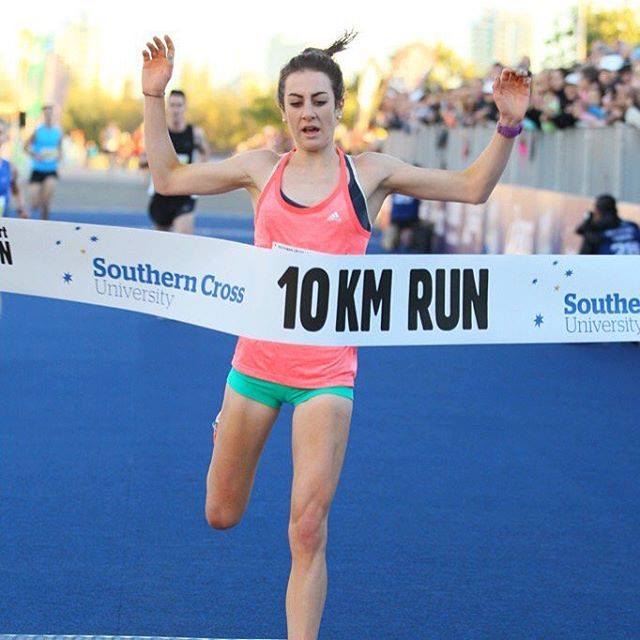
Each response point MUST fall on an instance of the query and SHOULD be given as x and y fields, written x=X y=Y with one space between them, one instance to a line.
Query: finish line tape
x=289 y=295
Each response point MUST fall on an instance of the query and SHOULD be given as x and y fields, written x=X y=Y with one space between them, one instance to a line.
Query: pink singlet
x=331 y=226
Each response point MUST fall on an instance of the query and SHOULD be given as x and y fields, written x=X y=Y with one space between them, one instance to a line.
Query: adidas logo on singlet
x=334 y=217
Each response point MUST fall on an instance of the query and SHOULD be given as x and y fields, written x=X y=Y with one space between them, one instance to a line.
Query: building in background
x=500 y=36
x=42 y=76
x=77 y=47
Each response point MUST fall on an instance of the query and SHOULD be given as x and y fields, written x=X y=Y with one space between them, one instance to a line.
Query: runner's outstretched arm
x=475 y=183
x=169 y=176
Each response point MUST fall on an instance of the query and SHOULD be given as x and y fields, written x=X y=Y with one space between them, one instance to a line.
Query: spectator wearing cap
x=567 y=93
x=571 y=86
x=598 y=50
x=604 y=233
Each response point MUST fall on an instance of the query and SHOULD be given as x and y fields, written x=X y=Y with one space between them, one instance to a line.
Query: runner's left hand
x=511 y=92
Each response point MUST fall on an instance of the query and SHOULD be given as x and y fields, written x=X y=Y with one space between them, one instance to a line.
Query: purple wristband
x=509 y=132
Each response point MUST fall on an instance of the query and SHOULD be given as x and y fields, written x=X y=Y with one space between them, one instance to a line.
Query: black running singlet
x=184 y=144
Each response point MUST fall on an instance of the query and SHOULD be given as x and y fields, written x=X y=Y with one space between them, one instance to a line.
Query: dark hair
x=178 y=92
x=606 y=204
x=590 y=73
x=318 y=60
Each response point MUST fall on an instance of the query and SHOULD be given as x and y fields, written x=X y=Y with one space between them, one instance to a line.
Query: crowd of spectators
x=114 y=148
x=601 y=91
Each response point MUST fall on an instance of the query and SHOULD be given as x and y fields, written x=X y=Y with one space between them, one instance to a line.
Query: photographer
x=604 y=233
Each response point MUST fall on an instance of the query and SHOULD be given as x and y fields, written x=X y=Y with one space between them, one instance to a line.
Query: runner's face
x=4 y=133
x=47 y=113
x=310 y=109
x=177 y=108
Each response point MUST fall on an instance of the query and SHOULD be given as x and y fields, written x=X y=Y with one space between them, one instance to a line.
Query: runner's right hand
x=157 y=65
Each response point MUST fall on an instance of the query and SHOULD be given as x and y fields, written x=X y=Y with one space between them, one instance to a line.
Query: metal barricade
x=577 y=161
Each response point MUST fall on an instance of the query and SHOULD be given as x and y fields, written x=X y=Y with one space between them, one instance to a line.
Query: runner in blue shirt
x=45 y=147
x=9 y=179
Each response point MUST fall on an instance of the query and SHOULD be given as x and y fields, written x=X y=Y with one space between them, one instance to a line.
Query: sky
x=231 y=38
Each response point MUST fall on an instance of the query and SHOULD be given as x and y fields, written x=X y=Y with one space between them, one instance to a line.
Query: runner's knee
x=220 y=517
x=308 y=528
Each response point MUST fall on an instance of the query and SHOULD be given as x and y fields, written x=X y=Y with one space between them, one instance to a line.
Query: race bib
x=49 y=154
x=290 y=249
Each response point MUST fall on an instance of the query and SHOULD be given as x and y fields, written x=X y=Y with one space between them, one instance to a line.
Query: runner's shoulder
x=374 y=162
x=374 y=168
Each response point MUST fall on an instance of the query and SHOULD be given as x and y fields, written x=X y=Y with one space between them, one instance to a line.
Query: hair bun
x=339 y=45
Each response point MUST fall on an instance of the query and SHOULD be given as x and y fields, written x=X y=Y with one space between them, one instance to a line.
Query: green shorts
x=273 y=395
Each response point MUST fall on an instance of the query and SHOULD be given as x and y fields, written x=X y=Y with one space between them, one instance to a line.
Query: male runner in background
x=175 y=213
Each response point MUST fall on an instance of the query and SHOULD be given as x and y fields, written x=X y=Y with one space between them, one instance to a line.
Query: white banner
x=287 y=295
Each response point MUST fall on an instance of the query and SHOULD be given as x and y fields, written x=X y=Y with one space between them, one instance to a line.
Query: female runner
x=316 y=198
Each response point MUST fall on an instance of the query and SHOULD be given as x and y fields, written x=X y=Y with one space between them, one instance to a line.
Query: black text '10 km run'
x=452 y=297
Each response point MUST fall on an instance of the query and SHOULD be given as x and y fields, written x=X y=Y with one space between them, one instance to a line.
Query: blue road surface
x=488 y=491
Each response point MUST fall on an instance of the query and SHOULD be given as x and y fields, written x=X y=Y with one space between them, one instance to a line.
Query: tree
x=622 y=23
x=262 y=111
x=562 y=45
x=7 y=88
x=90 y=109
